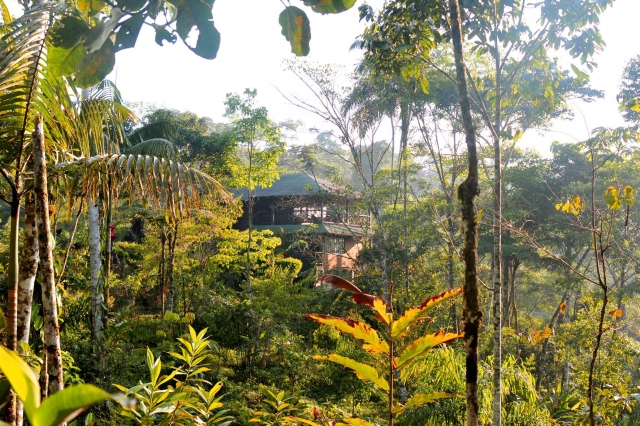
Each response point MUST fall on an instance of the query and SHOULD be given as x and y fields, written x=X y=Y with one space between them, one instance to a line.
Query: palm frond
x=27 y=87
x=171 y=184
x=164 y=128
x=154 y=147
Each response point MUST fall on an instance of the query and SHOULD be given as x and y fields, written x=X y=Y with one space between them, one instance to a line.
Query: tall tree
x=259 y=145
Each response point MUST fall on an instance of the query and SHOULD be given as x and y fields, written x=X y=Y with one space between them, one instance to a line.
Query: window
x=334 y=245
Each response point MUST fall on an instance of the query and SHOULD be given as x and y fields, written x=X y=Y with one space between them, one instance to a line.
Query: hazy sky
x=253 y=51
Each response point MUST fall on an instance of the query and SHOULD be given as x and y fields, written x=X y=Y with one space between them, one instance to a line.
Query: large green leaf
x=65 y=61
x=363 y=371
x=414 y=314
x=296 y=29
x=68 y=404
x=128 y=32
x=423 y=345
x=69 y=31
x=421 y=399
x=356 y=329
x=94 y=67
x=95 y=38
x=329 y=6
x=196 y=13
x=23 y=380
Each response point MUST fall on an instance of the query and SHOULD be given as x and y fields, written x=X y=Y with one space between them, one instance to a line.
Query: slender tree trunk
x=161 y=275
x=506 y=293
x=28 y=270
x=453 y=312
x=49 y=301
x=95 y=265
x=467 y=192
x=173 y=237
x=249 y=266
x=106 y=273
x=596 y=348
x=497 y=241
x=69 y=245
x=405 y=116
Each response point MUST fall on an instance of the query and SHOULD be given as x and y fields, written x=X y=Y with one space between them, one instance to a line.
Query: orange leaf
x=413 y=315
x=563 y=307
x=357 y=329
x=616 y=313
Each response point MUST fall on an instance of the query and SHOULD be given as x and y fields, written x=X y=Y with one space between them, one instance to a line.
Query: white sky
x=253 y=51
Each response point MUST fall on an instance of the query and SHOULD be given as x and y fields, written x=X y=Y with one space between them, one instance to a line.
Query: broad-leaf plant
x=387 y=342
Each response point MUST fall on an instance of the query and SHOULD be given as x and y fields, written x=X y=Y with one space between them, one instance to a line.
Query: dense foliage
x=132 y=292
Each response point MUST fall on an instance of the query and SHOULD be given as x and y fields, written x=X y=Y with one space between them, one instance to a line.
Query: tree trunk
x=453 y=312
x=161 y=275
x=497 y=243
x=28 y=270
x=467 y=192
x=95 y=265
x=49 y=301
x=173 y=237
x=106 y=273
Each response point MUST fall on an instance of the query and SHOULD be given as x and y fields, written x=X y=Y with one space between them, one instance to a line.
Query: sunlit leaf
x=357 y=329
x=421 y=399
x=413 y=315
x=423 y=345
x=612 y=197
x=363 y=371
x=355 y=422
x=23 y=380
x=67 y=404
x=65 y=61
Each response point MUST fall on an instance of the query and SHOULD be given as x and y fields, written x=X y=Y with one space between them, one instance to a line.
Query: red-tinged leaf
x=563 y=307
x=421 y=399
x=357 y=329
x=338 y=282
x=363 y=371
x=414 y=314
x=424 y=345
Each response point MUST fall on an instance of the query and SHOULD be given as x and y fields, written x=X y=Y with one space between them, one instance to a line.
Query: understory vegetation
x=488 y=282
